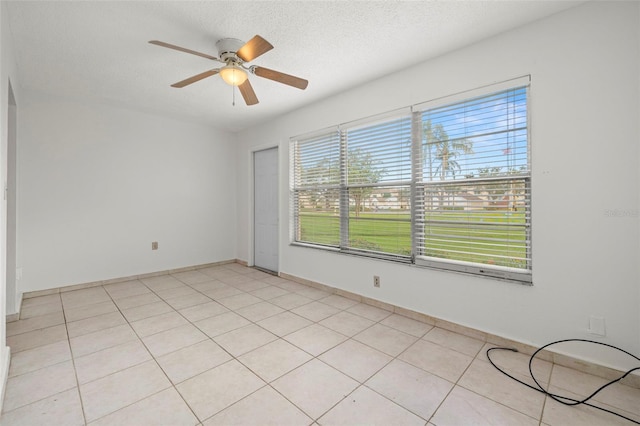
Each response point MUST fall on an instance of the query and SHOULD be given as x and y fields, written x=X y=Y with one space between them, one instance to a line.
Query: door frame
x=251 y=203
x=13 y=297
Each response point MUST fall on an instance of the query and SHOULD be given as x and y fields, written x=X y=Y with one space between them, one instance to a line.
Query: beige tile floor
x=231 y=345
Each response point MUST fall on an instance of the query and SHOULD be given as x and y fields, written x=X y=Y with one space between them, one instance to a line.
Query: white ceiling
x=98 y=51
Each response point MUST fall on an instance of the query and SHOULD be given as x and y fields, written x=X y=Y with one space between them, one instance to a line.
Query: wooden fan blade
x=254 y=48
x=195 y=78
x=182 y=49
x=248 y=94
x=281 y=77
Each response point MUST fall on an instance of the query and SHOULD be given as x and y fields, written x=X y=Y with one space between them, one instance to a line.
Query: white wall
x=98 y=184
x=585 y=160
x=7 y=73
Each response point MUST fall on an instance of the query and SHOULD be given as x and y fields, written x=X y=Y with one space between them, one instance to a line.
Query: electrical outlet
x=596 y=326
x=154 y=245
x=376 y=281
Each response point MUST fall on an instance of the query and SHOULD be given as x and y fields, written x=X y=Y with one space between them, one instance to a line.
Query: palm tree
x=439 y=149
x=446 y=150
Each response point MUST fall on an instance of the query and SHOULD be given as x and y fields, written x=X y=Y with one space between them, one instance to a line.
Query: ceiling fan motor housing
x=227 y=48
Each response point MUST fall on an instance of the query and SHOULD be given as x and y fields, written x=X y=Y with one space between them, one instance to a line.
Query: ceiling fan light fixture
x=233 y=75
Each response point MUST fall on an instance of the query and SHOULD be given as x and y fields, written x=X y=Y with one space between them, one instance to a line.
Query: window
x=444 y=184
x=473 y=192
x=316 y=189
x=377 y=186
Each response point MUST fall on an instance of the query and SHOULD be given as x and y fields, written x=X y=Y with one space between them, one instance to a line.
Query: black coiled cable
x=563 y=399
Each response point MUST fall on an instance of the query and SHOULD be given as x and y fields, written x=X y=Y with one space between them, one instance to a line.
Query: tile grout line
x=485 y=396
x=319 y=300
x=110 y=347
x=313 y=357
x=397 y=357
x=234 y=358
x=212 y=340
x=172 y=385
x=47 y=366
x=546 y=398
x=278 y=337
x=73 y=361
x=453 y=387
x=360 y=384
x=394 y=358
x=349 y=338
x=99 y=378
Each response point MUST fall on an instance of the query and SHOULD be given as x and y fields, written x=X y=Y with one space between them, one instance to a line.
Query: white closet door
x=265 y=201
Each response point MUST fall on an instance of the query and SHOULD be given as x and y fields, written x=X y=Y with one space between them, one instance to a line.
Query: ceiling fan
x=234 y=53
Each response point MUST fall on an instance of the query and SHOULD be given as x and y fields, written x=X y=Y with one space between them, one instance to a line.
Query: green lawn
x=498 y=239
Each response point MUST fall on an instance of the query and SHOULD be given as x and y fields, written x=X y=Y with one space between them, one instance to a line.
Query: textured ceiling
x=98 y=51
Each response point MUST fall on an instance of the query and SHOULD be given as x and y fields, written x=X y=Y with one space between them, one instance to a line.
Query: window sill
x=491 y=272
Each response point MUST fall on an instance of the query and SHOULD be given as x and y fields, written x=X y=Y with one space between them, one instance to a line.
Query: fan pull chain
x=233 y=90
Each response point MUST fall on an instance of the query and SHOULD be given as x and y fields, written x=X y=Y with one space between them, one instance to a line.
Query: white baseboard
x=72 y=287
x=585 y=366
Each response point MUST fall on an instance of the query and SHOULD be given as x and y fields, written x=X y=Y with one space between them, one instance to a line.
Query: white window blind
x=377 y=184
x=316 y=188
x=473 y=186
